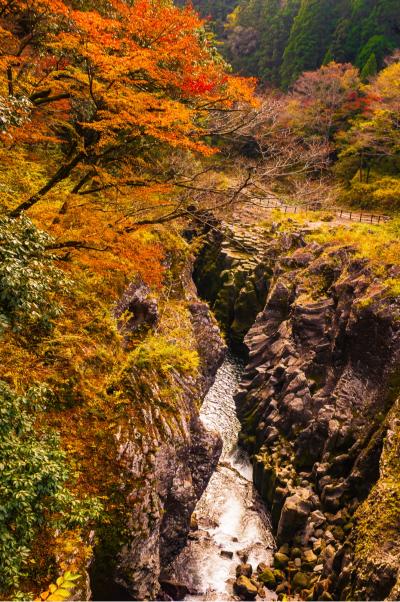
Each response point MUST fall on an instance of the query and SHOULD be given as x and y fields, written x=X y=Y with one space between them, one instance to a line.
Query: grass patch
x=159 y=353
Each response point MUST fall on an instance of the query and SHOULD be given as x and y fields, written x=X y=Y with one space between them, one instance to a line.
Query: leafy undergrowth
x=380 y=244
x=377 y=531
x=62 y=589
x=63 y=388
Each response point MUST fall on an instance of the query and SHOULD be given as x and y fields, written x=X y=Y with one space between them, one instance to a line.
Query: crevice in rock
x=166 y=456
x=315 y=401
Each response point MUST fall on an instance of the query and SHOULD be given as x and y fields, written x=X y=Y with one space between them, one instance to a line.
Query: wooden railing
x=366 y=218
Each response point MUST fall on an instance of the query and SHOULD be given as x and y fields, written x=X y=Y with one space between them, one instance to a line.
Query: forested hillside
x=277 y=41
x=215 y=12
x=101 y=113
x=126 y=142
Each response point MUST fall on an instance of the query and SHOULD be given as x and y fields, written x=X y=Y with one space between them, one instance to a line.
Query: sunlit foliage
x=106 y=92
x=32 y=484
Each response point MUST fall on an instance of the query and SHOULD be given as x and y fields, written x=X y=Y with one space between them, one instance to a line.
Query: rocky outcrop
x=231 y=274
x=137 y=309
x=376 y=537
x=316 y=407
x=165 y=454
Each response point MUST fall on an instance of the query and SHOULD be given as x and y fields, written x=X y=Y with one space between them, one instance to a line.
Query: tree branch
x=63 y=173
x=47 y=99
x=10 y=81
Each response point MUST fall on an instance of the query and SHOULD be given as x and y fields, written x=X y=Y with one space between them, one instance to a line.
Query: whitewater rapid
x=232 y=523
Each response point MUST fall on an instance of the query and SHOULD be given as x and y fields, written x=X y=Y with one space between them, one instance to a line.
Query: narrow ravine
x=231 y=522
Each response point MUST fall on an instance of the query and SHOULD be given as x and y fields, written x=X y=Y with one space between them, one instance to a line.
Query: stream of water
x=231 y=519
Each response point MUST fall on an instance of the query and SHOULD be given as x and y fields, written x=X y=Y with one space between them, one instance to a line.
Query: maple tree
x=369 y=150
x=323 y=101
x=110 y=91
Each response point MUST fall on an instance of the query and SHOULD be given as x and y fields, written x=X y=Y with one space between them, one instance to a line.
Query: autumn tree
x=323 y=101
x=369 y=157
x=110 y=92
x=266 y=156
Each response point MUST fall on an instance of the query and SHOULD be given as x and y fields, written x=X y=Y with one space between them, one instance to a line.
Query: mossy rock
x=300 y=581
x=267 y=577
x=279 y=575
x=244 y=569
x=339 y=533
x=280 y=560
x=347 y=527
x=245 y=588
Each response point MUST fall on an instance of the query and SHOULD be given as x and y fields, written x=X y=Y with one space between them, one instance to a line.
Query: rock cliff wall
x=165 y=456
x=316 y=403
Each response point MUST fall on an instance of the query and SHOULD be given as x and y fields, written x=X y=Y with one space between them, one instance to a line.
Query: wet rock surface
x=231 y=532
x=166 y=455
x=316 y=403
x=231 y=275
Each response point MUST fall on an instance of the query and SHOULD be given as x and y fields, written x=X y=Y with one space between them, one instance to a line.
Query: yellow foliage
x=61 y=590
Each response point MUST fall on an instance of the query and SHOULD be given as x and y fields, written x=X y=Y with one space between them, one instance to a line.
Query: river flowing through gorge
x=231 y=522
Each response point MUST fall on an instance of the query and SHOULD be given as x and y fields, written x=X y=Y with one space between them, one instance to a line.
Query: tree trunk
x=63 y=173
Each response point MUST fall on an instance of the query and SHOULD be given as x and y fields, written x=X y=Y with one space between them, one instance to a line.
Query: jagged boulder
x=245 y=589
x=176 y=591
x=268 y=578
x=137 y=309
x=295 y=512
x=244 y=569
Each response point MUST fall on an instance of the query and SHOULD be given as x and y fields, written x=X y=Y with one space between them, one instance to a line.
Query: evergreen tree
x=276 y=41
x=258 y=34
x=309 y=38
x=217 y=11
x=370 y=68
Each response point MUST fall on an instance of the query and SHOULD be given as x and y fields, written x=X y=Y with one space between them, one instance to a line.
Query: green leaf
x=68 y=576
x=68 y=585
x=64 y=593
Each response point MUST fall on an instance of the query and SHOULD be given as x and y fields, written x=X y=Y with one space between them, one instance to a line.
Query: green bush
x=159 y=353
x=33 y=473
x=381 y=194
x=29 y=279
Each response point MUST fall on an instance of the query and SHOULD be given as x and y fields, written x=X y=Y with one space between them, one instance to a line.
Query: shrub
x=62 y=589
x=33 y=473
x=29 y=279
x=164 y=355
x=380 y=194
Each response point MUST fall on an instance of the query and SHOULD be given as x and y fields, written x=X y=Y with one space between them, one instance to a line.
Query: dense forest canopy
x=276 y=41
x=215 y=12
